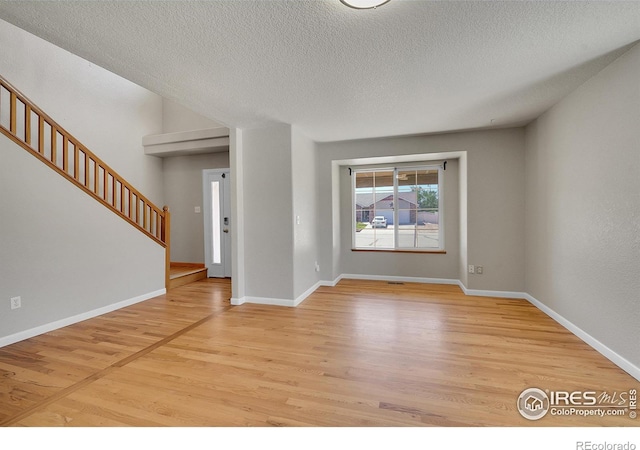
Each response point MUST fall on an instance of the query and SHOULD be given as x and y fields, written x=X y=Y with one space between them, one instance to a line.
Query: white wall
x=583 y=207
x=492 y=192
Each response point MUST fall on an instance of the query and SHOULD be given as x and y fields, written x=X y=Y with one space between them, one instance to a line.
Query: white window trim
x=395 y=169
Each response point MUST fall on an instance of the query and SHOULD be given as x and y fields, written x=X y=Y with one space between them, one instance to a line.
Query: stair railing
x=28 y=126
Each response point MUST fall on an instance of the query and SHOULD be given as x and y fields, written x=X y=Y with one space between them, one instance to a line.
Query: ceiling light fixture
x=364 y=4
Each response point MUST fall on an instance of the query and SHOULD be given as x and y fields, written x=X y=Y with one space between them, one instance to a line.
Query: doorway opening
x=217 y=222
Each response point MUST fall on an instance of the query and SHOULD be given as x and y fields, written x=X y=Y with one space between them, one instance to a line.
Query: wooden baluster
x=54 y=145
x=156 y=223
x=76 y=162
x=125 y=201
x=27 y=124
x=166 y=238
x=146 y=216
x=131 y=204
x=65 y=153
x=96 y=177
x=12 y=113
x=86 y=168
x=105 y=184
x=151 y=219
x=122 y=196
x=113 y=190
x=41 y=134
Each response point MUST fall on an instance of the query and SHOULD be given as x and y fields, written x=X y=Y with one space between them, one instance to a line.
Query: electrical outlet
x=479 y=270
x=317 y=267
x=16 y=302
x=472 y=268
x=196 y=209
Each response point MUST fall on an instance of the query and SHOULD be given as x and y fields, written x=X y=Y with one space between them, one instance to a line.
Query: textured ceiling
x=408 y=67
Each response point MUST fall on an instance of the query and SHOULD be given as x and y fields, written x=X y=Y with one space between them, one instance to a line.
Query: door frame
x=225 y=239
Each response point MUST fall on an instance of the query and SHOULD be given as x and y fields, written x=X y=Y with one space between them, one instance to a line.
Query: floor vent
x=395 y=282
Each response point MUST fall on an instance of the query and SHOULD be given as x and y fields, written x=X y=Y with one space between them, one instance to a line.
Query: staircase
x=28 y=126
x=185 y=273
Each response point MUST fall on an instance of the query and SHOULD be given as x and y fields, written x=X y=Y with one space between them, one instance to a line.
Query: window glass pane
x=382 y=221
x=418 y=219
x=374 y=209
x=364 y=209
x=415 y=207
x=215 y=222
x=428 y=229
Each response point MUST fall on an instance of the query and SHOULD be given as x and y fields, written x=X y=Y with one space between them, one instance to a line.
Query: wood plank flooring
x=359 y=354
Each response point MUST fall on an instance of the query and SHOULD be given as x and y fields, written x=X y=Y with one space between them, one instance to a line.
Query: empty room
x=320 y=214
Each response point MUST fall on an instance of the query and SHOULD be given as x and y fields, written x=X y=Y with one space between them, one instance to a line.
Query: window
x=398 y=209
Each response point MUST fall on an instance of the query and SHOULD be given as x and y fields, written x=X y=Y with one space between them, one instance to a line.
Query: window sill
x=392 y=250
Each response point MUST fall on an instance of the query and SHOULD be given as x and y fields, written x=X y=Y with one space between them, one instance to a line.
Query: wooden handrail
x=32 y=129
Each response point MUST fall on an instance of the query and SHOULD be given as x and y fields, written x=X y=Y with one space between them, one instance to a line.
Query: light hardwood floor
x=358 y=354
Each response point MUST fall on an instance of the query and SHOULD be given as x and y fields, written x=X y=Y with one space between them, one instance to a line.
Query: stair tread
x=178 y=272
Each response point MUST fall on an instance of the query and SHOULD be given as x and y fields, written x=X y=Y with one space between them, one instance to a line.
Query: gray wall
x=183 y=192
x=305 y=237
x=583 y=207
x=275 y=183
x=176 y=117
x=60 y=250
x=182 y=183
x=418 y=265
x=490 y=229
x=268 y=212
x=107 y=113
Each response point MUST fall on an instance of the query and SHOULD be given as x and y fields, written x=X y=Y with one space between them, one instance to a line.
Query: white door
x=217 y=222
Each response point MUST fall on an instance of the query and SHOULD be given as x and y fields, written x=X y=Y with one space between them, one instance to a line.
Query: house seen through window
x=398 y=209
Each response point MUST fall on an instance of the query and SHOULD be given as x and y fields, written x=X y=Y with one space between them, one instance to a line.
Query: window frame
x=396 y=210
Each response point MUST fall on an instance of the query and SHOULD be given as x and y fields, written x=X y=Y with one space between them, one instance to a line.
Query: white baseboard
x=263 y=301
x=352 y=276
x=598 y=346
x=307 y=293
x=486 y=293
x=331 y=283
x=22 y=335
x=278 y=301
x=238 y=301
x=470 y=292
